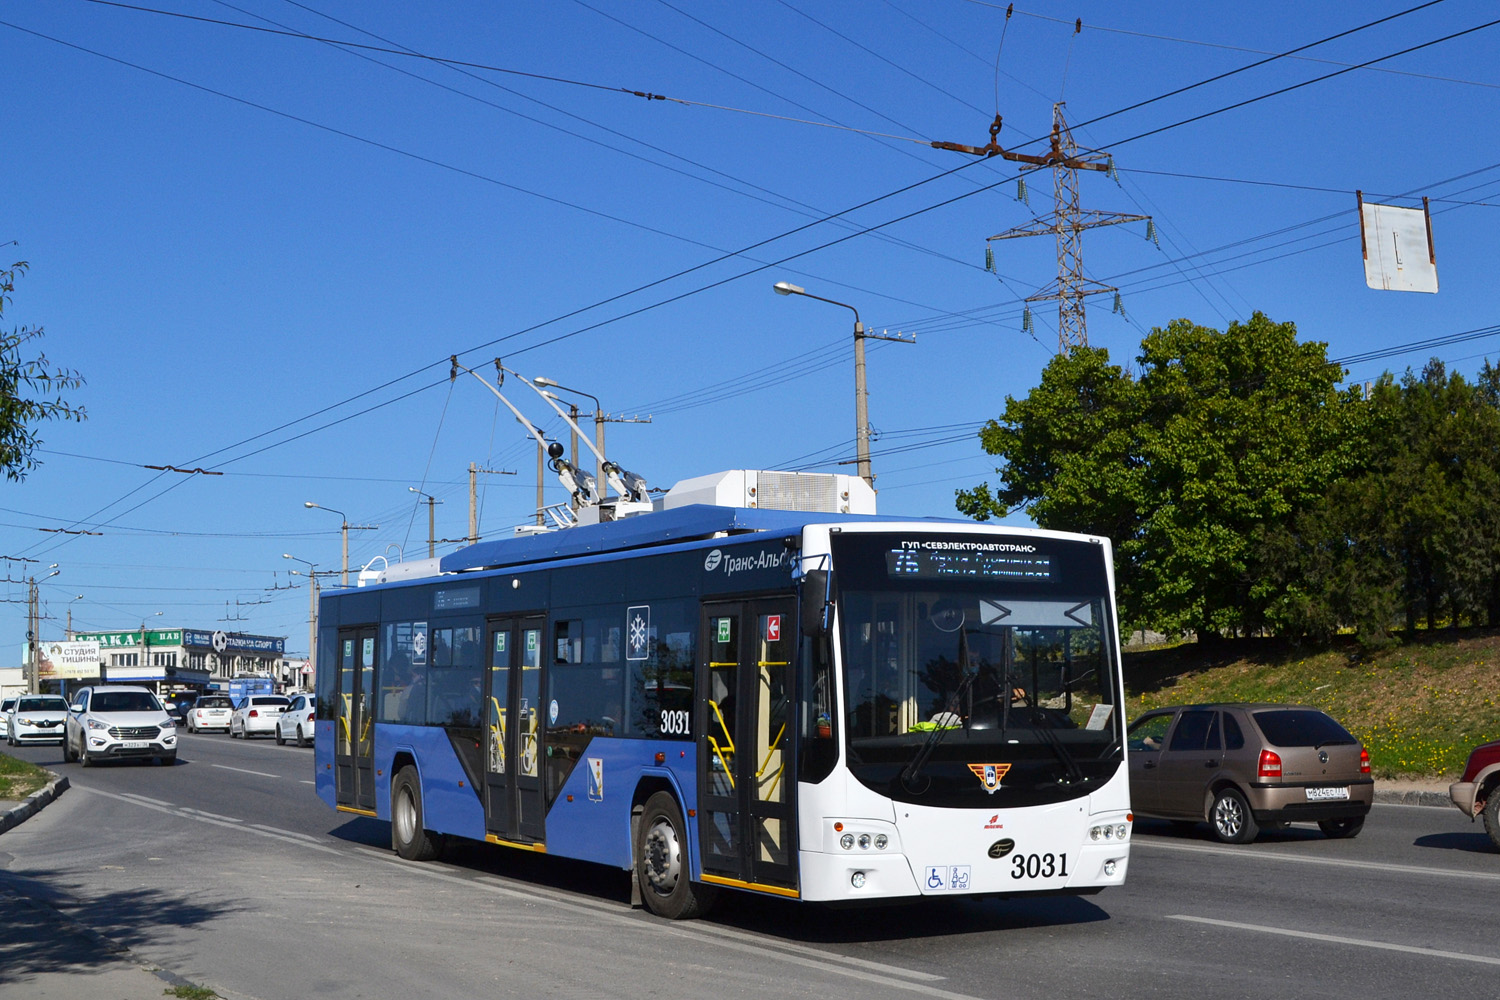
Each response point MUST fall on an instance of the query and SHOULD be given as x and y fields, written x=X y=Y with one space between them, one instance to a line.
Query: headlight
x=96 y=724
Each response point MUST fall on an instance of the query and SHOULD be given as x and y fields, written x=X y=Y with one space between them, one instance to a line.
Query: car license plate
x=142 y=744
x=1325 y=794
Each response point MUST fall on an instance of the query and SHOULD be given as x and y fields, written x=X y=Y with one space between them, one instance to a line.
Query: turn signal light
x=1364 y=761
x=1270 y=765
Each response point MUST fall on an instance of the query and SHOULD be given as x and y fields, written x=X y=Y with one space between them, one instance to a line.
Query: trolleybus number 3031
x=1039 y=866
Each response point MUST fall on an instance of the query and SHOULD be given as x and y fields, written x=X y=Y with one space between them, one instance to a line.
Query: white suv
x=111 y=722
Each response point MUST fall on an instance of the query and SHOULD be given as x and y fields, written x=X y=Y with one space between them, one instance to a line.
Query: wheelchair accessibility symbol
x=946 y=877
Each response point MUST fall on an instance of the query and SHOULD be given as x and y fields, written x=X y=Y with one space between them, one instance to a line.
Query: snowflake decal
x=637 y=632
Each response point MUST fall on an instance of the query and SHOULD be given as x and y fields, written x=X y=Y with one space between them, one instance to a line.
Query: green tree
x=1184 y=465
x=21 y=378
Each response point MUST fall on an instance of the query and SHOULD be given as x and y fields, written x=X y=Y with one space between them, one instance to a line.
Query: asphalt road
x=228 y=871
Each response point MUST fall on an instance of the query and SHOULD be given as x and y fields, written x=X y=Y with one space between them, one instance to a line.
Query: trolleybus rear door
x=354 y=734
x=745 y=777
x=513 y=787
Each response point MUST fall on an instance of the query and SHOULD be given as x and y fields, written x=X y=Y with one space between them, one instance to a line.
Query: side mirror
x=815 y=606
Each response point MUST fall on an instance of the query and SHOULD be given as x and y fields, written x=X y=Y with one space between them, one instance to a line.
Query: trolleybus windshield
x=966 y=651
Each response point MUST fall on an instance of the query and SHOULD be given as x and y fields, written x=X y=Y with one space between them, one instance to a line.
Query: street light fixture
x=344 y=528
x=598 y=423
x=861 y=395
x=431 y=524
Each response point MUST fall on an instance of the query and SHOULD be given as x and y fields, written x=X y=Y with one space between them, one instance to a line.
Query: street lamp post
x=431 y=523
x=861 y=394
x=345 y=528
x=598 y=424
x=312 y=612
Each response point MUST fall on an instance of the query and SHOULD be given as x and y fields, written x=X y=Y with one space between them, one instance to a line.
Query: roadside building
x=183 y=659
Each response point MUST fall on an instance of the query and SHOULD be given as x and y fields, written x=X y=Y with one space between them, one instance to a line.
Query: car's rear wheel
x=1342 y=829
x=1492 y=815
x=1231 y=818
x=408 y=838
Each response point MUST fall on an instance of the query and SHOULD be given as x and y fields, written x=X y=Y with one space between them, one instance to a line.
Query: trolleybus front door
x=354 y=734
x=512 y=772
x=745 y=778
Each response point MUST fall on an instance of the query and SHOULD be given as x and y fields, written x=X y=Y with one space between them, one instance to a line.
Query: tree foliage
x=29 y=389
x=1183 y=462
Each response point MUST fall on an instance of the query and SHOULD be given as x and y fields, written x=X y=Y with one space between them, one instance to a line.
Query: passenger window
x=1234 y=738
x=1149 y=733
x=1192 y=730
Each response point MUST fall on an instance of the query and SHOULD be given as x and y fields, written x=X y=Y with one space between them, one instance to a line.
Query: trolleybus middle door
x=745 y=779
x=354 y=735
x=514 y=808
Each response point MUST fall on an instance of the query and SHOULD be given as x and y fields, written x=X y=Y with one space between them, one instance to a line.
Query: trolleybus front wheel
x=408 y=838
x=661 y=863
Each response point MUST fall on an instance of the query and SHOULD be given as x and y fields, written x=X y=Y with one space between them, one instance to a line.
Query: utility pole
x=1066 y=222
x=474 y=471
x=33 y=625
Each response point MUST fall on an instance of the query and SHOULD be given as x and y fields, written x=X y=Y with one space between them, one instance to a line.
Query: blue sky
x=261 y=249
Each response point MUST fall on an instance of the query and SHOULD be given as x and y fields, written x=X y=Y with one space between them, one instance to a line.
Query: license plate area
x=1327 y=794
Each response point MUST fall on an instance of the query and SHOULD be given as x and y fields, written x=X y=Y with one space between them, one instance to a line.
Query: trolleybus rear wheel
x=661 y=863
x=408 y=838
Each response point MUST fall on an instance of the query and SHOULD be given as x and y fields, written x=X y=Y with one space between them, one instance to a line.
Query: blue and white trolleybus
x=812 y=703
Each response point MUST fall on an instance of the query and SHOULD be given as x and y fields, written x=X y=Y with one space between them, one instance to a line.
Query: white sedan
x=37 y=718
x=256 y=715
x=296 y=723
x=209 y=712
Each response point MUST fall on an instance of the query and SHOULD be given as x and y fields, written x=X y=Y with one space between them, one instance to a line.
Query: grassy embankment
x=19 y=779
x=1419 y=707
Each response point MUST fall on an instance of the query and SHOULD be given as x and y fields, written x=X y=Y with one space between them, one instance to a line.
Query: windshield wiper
x=912 y=771
x=1047 y=736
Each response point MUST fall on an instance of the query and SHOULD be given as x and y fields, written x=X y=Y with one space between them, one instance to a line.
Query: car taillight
x=254 y=714
x=1364 y=761
x=1270 y=765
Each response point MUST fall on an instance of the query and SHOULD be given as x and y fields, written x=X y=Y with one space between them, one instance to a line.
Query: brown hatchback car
x=1242 y=767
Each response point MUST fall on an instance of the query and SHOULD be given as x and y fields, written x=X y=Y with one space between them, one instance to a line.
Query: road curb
x=1413 y=797
x=34 y=802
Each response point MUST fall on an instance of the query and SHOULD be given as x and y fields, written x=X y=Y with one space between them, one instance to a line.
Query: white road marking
x=242 y=770
x=200 y=812
x=155 y=802
x=1456 y=956
x=285 y=833
x=1371 y=866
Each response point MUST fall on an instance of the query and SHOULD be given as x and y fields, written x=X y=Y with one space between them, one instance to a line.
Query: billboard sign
x=67 y=660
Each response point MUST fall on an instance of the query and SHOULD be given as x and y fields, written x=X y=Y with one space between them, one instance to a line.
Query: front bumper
x=1463 y=794
x=39 y=734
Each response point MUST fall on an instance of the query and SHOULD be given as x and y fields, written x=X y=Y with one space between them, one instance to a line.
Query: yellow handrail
x=722 y=762
x=770 y=749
